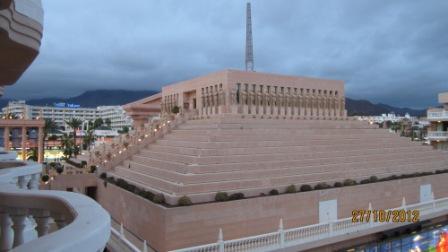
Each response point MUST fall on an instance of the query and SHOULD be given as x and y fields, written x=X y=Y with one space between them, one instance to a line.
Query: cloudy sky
x=395 y=52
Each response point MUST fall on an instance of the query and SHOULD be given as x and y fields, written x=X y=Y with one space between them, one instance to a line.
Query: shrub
x=147 y=195
x=373 y=179
x=322 y=185
x=92 y=169
x=83 y=163
x=349 y=182
x=274 y=192
x=305 y=188
x=103 y=175
x=184 y=201
x=159 y=198
x=60 y=169
x=262 y=194
x=291 y=189
x=45 y=178
x=111 y=180
x=221 y=196
x=338 y=184
x=365 y=181
x=236 y=196
x=175 y=110
x=121 y=183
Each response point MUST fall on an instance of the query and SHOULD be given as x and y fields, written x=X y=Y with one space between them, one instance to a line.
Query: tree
x=50 y=126
x=67 y=144
x=74 y=123
x=88 y=139
x=32 y=155
x=125 y=130
x=108 y=122
x=98 y=123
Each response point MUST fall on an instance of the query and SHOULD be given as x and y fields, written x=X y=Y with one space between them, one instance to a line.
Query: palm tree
x=89 y=138
x=49 y=127
x=67 y=144
x=74 y=123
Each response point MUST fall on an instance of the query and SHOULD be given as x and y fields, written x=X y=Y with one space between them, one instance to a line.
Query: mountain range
x=96 y=98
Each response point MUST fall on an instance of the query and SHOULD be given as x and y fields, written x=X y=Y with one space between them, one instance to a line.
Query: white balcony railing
x=38 y=220
x=318 y=233
x=438 y=115
x=438 y=135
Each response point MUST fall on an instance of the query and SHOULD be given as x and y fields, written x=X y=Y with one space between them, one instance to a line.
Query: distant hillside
x=364 y=107
x=91 y=99
x=119 y=97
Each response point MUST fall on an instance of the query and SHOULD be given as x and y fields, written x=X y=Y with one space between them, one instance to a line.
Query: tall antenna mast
x=249 y=42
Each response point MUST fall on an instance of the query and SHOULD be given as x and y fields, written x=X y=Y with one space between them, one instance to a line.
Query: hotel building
x=438 y=134
x=60 y=114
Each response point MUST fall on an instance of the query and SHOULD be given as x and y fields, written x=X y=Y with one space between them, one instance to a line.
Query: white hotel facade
x=115 y=114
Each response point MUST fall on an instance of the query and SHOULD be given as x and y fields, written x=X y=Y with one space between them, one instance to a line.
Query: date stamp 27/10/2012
x=379 y=215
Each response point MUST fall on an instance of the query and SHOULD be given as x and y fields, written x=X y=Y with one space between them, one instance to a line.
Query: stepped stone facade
x=253 y=132
x=250 y=133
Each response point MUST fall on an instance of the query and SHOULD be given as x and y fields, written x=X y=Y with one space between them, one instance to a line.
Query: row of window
x=283 y=90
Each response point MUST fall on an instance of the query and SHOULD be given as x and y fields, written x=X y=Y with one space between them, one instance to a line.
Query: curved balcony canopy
x=21 y=25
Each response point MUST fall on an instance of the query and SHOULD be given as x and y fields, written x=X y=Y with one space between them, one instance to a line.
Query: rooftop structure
x=438 y=134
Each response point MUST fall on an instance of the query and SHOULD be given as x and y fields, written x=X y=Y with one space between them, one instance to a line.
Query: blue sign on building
x=66 y=105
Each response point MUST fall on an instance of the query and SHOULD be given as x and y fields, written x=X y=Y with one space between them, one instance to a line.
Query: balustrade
x=34 y=220
x=303 y=235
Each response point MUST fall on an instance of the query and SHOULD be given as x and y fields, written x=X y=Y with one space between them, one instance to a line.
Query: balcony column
x=23 y=181
x=42 y=218
x=6 y=234
x=34 y=182
x=6 y=142
x=40 y=145
x=23 y=144
x=19 y=223
x=60 y=220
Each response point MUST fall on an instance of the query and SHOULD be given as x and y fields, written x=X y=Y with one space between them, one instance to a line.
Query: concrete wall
x=172 y=228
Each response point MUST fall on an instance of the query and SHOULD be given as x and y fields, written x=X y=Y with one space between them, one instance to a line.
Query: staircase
x=232 y=154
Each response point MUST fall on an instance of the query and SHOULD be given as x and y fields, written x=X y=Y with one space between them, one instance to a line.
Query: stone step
x=268 y=157
x=275 y=143
x=279 y=149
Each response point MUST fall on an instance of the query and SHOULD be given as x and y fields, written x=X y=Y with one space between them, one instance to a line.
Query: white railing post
x=281 y=232
x=145 y=246
x=6 y=234
x=330 y=228
x=403 y=203
x=121 y=230
x=433 y=200
x=220 y=241
x=18 y=217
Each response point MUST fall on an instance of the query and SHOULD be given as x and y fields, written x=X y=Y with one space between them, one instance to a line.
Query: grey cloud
x=393 y=52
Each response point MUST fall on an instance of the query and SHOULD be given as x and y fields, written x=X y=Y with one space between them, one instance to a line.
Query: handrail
x=437 y=114
x=302 y=235
x=438 y=134
x=126 y=146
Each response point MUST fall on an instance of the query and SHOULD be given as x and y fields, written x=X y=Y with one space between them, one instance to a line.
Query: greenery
x=60 y=169
x=236 y=196
x=274 y=192
x=291 y=189
x=184 y=201
x=349 y=182
x=108 y=122
x=159 y=198
x=49 y=127
x=321 y=185
x=175 y=110
x=305 y=188
x=221 y=196
x=74 y=123
x=45 y=178
x=338 y=184
x=32 y=155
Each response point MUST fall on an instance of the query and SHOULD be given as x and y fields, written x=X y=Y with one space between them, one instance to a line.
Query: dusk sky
x=394 y=52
